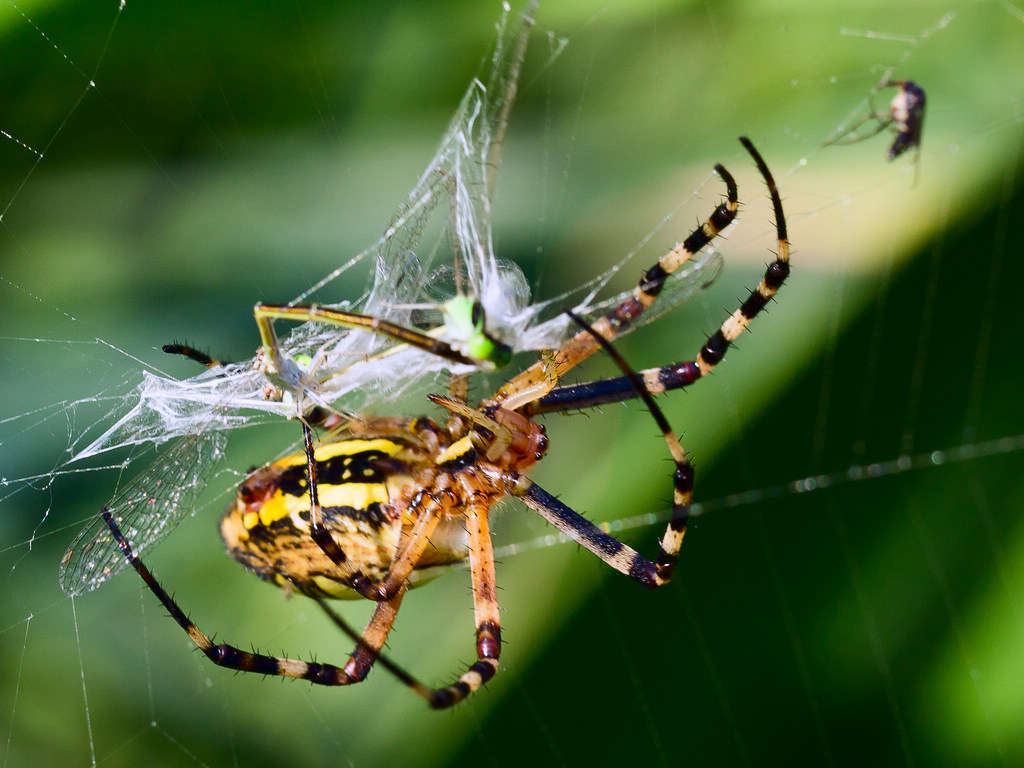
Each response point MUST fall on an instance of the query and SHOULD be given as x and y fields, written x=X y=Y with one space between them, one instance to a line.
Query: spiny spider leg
x=222 y=654
x=488 y=625
x=367 y=651
x=645 y=385
x=193 y=354
x=619 y=556
x=481 y=555
x=399 y=672
x=485 y=606
x=537 y=379
x=485 y=611
x=682 y=374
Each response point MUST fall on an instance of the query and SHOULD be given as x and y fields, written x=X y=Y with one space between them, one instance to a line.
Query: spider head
x=527 y=440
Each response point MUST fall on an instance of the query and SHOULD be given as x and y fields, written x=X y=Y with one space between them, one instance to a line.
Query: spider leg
x=645 y=385
x=616 y=322
x=616 y=554
x=485 y=609
x=619 y=556
x=381 y=659
x=370 y=645
x=682 y=374
x=488 y=624
x=222 y=654
x=186 y=350
x=366 y=654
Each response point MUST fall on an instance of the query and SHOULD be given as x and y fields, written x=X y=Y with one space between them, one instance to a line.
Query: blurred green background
x=229 y=155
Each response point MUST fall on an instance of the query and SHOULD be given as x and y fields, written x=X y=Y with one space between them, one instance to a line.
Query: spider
x=905 y=118
x=386 y=503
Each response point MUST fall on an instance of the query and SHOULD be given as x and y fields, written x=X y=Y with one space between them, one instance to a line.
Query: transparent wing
x=146 y=509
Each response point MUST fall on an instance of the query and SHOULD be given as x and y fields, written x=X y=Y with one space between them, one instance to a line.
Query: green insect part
x=465 y=320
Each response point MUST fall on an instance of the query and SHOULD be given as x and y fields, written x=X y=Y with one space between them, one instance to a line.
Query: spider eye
x=477 y=315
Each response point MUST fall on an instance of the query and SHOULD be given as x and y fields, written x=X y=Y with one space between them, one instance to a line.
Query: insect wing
x=146 y=509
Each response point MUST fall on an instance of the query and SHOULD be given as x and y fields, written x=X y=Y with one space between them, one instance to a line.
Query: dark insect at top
x=907 y=113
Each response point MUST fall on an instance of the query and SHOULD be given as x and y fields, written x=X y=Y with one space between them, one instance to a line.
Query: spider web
x=857 y=566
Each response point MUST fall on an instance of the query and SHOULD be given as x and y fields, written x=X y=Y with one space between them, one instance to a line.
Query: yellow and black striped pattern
x=267 y=527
